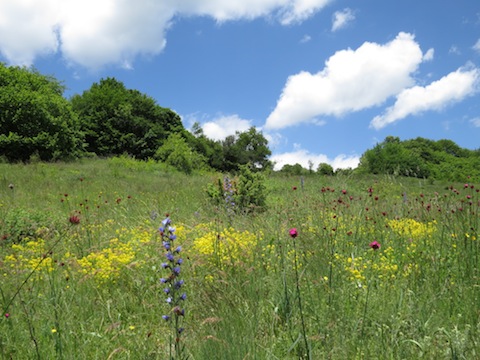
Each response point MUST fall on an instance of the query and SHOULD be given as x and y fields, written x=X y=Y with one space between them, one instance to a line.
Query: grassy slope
x=417 y=296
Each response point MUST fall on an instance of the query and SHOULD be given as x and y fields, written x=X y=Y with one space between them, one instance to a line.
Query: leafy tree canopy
x=249 y=147
x=117 y=120
x=35 y=118
x=422 y=158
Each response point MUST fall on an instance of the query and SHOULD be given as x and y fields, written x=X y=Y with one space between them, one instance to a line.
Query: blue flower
x=165 y=317
x=183 y=296
x=171 y=229
x=163 y=280
x=169 y=300
x=178 y=284
x=176 y=270
x=172 y=237
x=165 y=265
x=166 y=290
x=180 y=261
x=166 y=222
x=178 y=249
x=170 y=256
x=166 y=245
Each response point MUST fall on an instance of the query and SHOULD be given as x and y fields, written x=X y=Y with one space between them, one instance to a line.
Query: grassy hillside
x=335 y=267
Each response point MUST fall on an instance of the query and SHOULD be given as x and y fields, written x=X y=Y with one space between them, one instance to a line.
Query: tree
x=176 y=152
x=325 y=169
x=35 y=118
x=117 y=120
x=249 y=147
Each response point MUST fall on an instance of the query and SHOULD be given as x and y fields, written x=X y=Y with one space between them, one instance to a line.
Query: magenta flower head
x=375 y=245
x=293 y=232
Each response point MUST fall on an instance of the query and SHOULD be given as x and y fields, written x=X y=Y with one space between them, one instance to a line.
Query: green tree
x=35 y=118
x=117 y=120
x=325 y=169
x=176 y=152
x=249 y=147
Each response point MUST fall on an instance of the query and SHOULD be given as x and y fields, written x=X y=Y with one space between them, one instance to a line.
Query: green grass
x=91 y=290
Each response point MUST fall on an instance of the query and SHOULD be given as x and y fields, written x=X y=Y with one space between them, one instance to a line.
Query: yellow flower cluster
x=107 y=264
x=31 y=255
x=413 y=229
x=228 y=247
x=361 y=269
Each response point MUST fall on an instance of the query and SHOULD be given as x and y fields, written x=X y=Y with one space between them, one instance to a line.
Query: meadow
x=119 y=259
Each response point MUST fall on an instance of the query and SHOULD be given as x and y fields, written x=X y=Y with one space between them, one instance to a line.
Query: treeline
x=419 y=158
x=38 y=122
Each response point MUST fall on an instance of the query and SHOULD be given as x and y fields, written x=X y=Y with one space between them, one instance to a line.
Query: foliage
x=176 y=152
x=296 y=169
x=243 y=194
x=421 y=158
x=35 y=119
x=118 y=120
x=325 y=169
x=249 y=147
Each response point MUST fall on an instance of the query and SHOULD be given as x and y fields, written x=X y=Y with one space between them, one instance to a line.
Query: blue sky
x=324 y=80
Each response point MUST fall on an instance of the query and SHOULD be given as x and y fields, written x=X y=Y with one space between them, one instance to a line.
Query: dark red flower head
x=375 y=245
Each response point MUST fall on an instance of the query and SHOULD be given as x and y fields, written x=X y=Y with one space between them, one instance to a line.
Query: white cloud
x=305 y=39
x=428 y=56
x=476 y=47
x=352 y=80
x=449 y=89
x=94 y=33
x=220 y=128
x=476 y=122
x=304 y=158
x=341 y=19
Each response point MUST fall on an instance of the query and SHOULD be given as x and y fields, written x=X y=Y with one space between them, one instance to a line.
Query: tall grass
x=81 y=266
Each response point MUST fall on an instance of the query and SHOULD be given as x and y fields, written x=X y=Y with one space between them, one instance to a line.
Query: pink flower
x=375 y=245
x=293 y=232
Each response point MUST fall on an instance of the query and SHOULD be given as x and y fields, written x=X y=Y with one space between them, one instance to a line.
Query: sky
x=323 y=80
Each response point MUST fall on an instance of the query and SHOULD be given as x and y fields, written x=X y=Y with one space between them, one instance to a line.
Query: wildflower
x=7 y=315
x=170 y=256
x=74 y=219
x=54 y=331
x=293 y=232
x=165 y=317
x=294 y=188
x=178 y=249
x=375 y=245
x=166 y=245
x=166 y=221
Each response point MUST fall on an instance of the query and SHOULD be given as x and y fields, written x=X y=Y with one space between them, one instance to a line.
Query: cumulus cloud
x=451 y=88
x=306 y=158
x=351 y=80
x=341 y=19
x=94 y=33
x=220 y=128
